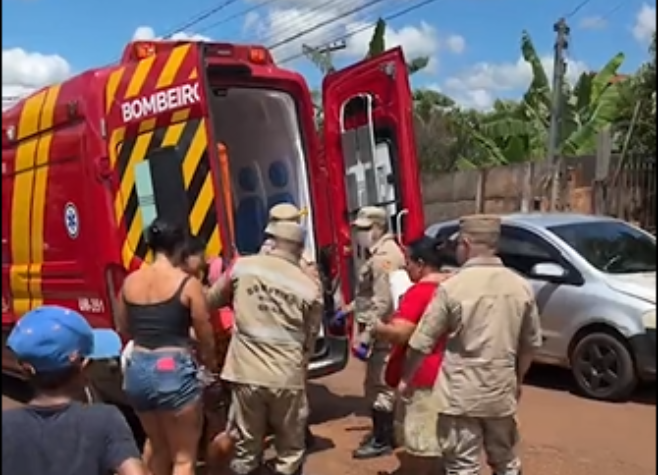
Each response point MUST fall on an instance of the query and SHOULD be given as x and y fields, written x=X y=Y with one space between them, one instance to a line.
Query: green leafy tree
x=637 y=125
x=593 y=104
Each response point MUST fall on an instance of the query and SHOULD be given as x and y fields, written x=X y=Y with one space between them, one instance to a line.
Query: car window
x=614 y=247
x=521 y=250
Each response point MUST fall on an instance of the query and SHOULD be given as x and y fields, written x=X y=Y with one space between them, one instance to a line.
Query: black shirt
x=70 y=439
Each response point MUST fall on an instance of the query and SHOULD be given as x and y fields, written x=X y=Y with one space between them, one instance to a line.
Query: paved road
x=562 y=434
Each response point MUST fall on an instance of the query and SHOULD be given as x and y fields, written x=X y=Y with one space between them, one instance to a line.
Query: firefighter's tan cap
x=283 y=212
x=480 y=224
x=287 y=230
x=370 y=215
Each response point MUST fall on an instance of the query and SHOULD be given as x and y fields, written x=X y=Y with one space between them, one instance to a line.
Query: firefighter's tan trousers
x=463 y=438
x=255 y=409
x=378 y=394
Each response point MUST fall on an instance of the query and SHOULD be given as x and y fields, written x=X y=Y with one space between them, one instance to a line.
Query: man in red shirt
x=421 y=413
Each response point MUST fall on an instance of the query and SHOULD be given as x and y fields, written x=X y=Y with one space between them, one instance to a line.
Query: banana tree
x=589 y=107
x=377 y=46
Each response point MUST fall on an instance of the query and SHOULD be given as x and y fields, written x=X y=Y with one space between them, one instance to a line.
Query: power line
x=235 y=16
x=322 y=24
x=200 y=17
x=307 y=17
x=577 y=8
x=356 y=31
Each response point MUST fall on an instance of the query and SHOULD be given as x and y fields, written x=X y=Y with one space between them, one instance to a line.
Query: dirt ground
x=563 y=434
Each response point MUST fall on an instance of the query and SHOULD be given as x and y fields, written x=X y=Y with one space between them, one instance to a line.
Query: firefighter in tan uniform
x=374 y=302
x=290 y=212
x=278 y=313
x=491 y=316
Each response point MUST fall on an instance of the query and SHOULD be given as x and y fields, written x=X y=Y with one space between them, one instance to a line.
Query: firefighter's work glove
x=361 y=351
x=339 y=319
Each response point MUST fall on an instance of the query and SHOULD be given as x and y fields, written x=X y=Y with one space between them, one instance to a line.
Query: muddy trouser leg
x=462 y=439
x=421 y=443
x=501 y=437
x=308 y=435
x=249 y=412
x=461 y=442
x=381 y=399
x=288 y=416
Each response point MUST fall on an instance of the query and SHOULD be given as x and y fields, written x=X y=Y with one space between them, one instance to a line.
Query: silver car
x=595 y=282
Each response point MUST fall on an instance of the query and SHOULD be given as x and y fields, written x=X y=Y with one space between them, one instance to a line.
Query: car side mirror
x=548 y=271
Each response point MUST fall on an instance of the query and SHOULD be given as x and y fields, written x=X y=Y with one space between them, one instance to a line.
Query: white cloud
x=24 y=72
x=294 y=23
x=455 y=44
x=645 y=23
x=481 y=84
x=595 y=22
x=148 y=33
x=421 y=40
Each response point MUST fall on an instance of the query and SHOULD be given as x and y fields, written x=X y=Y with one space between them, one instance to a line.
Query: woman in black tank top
x=161 y=304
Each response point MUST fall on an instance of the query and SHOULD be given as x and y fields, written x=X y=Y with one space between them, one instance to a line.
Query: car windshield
x=611 y=246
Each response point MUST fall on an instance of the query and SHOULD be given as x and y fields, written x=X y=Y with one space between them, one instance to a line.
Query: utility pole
x=559 y=70
x=321 y=55
x=328 y=48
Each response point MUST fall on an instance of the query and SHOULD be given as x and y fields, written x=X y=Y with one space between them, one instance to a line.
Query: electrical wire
x=235 y=16
x=309 y=16
x=577 y=8
x=322 y=24
x=200 y=17
x=356 y=31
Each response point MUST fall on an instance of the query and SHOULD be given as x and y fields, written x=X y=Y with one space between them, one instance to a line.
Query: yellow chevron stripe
x=112 y=87
x=169 y=72
x=214 y=244
x=115 y=140
x=174 y=131
x=194 y=154
x=139 y=77
x=201 y=205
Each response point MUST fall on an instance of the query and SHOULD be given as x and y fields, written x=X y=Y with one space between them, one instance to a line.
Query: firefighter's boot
x=381 y=442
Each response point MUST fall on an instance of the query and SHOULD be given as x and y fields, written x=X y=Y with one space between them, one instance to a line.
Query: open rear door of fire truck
x=369 y=140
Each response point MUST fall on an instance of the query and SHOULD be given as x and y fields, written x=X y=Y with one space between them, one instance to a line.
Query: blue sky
x=474 y=44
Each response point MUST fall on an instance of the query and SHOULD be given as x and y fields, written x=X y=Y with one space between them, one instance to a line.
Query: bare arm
x=530 y=340
x=220 y=293
x=439 y=318
x=201 y=324
x=121 y=314
x=398 y=331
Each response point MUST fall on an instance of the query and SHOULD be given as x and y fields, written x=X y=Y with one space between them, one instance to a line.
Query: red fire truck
x=212 y=132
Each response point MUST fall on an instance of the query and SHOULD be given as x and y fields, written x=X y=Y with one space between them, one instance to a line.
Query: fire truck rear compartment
x=259 y=128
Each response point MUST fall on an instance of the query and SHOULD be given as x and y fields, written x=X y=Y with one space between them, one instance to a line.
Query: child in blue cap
x=53 y=434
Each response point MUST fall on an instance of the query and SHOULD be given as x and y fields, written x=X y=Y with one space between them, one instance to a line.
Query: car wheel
x=603 y=368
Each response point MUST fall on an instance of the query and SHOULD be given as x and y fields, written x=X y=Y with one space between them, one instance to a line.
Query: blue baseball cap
x=51 y=338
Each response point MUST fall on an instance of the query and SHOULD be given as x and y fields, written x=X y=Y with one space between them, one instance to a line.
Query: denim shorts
x=161 y=380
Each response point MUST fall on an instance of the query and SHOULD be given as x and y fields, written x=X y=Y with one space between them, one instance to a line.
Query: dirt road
x=562 y=433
